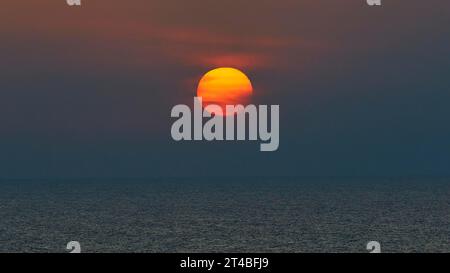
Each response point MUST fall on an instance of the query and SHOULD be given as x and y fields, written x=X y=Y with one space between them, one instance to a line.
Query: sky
x=87 y=91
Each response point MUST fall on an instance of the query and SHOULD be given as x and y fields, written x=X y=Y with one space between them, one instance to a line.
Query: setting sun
x=225 y=86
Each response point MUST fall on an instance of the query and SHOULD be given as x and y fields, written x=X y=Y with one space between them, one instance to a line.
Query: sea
x=227 y=214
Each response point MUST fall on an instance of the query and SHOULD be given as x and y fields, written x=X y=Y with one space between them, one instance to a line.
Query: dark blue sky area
x=87 y=92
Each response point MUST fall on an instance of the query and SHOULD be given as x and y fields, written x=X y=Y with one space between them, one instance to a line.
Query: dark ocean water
x=226 y=215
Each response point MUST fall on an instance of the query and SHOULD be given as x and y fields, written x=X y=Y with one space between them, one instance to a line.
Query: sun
x=225 y=86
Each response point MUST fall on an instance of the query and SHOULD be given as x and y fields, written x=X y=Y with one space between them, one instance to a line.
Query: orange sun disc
x=225 y=86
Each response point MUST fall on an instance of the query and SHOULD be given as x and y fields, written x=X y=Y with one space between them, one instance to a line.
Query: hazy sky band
x=88 y=91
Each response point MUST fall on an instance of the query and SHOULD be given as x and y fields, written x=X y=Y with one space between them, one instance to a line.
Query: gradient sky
x=87 y=92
